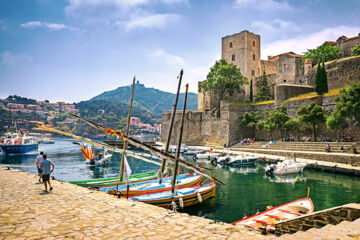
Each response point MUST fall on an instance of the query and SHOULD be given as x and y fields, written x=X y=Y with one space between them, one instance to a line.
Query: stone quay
x=73 y=212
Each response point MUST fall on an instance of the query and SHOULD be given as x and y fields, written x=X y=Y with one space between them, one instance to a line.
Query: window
x=254 y=57
x=339 y=44
x=230 y=45
x=284 y=80
x=258 y=71
x=252 y=72
x=285 y=68
x=233 y=57
x=253 y=43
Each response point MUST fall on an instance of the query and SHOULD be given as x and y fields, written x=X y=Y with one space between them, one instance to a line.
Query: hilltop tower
x=243 y=49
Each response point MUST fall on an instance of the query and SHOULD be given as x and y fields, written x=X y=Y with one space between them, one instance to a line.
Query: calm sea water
x=247 y=189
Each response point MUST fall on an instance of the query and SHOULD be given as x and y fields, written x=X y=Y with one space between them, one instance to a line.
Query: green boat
x=105 y=182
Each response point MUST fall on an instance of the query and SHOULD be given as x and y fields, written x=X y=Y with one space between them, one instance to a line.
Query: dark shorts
x=39 y=171
x=46 y=177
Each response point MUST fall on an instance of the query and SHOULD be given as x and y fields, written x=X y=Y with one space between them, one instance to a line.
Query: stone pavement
x=73 y=212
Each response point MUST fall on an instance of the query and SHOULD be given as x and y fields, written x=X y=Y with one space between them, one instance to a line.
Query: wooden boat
x=104 y=182
x=152 y=186
x=266 y=220
x=182 y=197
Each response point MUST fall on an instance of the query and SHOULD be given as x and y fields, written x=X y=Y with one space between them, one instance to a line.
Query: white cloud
x=151 y=21
x=166 y=58
x=275 y=26
x=174 y=1
x=51 y=26
x=301 y=43
x=268 y=5
x=9 y=58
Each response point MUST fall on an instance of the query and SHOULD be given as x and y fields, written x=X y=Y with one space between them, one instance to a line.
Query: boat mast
x=171 y=127
x=127 y=132
x=179 y=142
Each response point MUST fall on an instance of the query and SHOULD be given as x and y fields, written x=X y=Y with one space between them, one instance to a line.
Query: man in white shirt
x=38 y=162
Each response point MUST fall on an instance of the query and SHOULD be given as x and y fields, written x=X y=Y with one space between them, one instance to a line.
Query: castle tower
x=243 y=49
x=307 y=66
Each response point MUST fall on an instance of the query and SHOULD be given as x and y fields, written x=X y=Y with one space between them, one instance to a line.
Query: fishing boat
x=241 y=160
x=94 y=155
x=104 y=182
x=18 y=143
x=152 y=186
x=182 y=197
x=266 y=221
x=286 y=166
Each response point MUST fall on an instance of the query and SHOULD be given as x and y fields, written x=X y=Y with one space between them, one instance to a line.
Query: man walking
x=38 y=162
x=47 y=168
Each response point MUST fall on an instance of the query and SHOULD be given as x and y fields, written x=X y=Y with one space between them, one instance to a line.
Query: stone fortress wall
x=287 y=78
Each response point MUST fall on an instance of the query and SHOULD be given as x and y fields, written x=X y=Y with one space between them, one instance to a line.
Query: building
x=346 y=44
x=135 y=121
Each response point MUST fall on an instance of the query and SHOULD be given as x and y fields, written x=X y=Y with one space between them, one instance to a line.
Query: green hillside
x=153 y=100
x=149 y=104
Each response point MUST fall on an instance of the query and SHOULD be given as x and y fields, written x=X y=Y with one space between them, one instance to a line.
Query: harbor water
x=247 y=189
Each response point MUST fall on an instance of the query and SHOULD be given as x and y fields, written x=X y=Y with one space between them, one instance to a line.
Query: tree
x=251 y=90
x=292 y=126
x=279 y=117
x=356 y=50
x=313 y=115
x=250 y=120
x=321 y=85
x=224 y=78
x=323 y=53
x=348 y=102
x=336 y=122
x=266 y=125
x=264 y=92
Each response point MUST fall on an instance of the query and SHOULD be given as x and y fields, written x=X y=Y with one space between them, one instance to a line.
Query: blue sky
x=73 y=50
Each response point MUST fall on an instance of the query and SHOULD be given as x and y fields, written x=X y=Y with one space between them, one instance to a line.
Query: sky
x=72 y=50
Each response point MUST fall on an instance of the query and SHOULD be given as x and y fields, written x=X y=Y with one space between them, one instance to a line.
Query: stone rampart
x=286 y=91
x=340 y=73
x=349 y=212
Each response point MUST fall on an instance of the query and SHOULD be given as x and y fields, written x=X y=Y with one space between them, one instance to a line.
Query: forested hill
x=149 y=104
x=153 y=100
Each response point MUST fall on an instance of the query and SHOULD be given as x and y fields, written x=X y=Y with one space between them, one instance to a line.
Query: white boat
x=208 y=156
x=193 y=152
x=286 y=166
x=224 y=160
x=266 y=221
x=101 y=157
x=241 y=160
x=18 y=143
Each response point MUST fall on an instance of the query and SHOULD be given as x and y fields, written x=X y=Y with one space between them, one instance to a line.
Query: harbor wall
x=333 y=216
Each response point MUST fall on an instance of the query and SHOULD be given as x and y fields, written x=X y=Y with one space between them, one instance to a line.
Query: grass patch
x=264 y=102
x=333 y=92
x=240 y=102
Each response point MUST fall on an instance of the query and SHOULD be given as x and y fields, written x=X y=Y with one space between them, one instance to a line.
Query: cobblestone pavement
x=74 y=212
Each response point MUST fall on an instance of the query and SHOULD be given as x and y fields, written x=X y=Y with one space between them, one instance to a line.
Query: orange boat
x=265 y=221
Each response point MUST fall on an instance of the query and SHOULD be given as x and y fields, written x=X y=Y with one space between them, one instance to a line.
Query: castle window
x=339 y=44
x=285 y=68
x=233 y=57
x=284 y=80
x=230 y=45
x=252 y=72
x=254 y=57
x=253 y=43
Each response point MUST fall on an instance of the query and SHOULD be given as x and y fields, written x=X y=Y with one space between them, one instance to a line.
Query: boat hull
x=151 y=186
x=104 y=182
x=188 y=199
x=241 y=162
x=268 y=219
x=19 y=149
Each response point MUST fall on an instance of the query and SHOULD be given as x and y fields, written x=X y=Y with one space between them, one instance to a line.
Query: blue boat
x=18 y=144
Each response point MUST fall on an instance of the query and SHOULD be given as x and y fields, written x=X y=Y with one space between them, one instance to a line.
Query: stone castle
x=286 y=75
